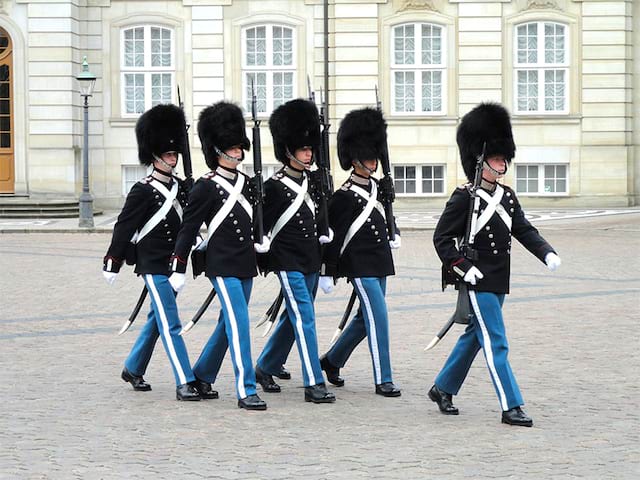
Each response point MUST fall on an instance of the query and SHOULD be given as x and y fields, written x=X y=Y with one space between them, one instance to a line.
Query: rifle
x=390 y=195
x=462 y=313
x=257 y=166
x=322 y=159
x=186 y=154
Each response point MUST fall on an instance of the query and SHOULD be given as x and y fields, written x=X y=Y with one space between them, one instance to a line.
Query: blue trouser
x=486 y=331
x=370 y=321
x=231 y=332
x=299 y=323
x=162 y=321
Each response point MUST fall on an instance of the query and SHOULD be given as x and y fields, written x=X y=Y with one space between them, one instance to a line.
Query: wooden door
x=7 y=163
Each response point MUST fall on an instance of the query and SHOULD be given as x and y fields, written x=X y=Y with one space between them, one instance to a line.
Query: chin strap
x=229 y=158
x=162 y=162
x=486 y=166
x=295 y=160
x=359 y=164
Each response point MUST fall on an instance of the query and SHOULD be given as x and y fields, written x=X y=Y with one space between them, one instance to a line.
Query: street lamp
x=87 y=81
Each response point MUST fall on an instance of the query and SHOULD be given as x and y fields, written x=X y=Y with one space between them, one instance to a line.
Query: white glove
x=326 y=238
x=176 y=280
x=553 y=261
x=110 y=277
x=396 y=242
x=473 y=275
x=264 y=246
x=326 y=284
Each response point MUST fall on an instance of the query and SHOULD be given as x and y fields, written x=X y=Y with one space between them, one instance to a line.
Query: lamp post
x=87 y=81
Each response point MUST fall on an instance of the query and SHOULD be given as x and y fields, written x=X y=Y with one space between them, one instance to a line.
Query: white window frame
x=541 y=67
x=419 y=178
x=418 y=69
x=269 y=69
x=128 y=183
x=146 y=70
x=541 y=179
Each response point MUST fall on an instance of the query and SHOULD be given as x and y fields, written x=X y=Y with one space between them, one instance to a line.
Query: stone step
x=20 y=207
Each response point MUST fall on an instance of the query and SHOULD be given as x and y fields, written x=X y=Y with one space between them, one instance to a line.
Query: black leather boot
x=188 y=393
x=388 y=389
x=444 y=401
x=332 y=372
x=136 y=381
x=283 y=374
x=318 y=394
x=266 y=381
x=252 y=402
x=204 y=389
x=516 y=416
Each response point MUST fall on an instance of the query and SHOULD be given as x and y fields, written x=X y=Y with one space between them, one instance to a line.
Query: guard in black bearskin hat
x=148 y=225
x=361 y=249
x=289 y=217
x=500 y=217
x=222 y=199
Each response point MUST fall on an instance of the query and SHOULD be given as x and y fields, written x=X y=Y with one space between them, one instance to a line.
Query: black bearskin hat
x=488 y=122
x=362 y=136
x=221 y=125
x=158 y=130
x=294 y=125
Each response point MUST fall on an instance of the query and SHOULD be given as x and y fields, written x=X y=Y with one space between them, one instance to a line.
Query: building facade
x=564 y=68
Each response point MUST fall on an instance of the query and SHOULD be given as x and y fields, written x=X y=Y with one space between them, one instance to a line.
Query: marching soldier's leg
x=371 y=292
x=163 y=301
x=337 y=356
x=298 y=294
x=455 y=370
x=234 y=294
x=274 y=354
x=135 y=366
x=493 y=338
x=212 y=355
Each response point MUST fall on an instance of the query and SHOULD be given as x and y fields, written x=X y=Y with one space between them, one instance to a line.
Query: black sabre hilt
x=389 y=194
x=186 y=154
x=257 y=166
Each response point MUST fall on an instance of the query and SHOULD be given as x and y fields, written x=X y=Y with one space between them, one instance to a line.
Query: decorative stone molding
x=3 y=7
x=416 y=5
x=542 y=5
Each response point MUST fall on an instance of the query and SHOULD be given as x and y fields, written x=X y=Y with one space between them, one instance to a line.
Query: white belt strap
x=493 y=206
x=302 y=196
x=235 y=192
x=170 y=200
x=372 y=200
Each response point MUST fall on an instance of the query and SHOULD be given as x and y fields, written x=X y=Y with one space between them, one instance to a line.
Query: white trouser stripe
x=372 y=332
x=488 y=350
x=173 y=356
x=237 y=354
x=303 y=341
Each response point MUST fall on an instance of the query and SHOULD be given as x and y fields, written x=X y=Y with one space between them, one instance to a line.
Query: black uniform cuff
x=111 y=264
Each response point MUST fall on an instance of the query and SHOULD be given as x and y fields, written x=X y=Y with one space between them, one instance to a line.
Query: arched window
x=269 y=61
x=541 y=64
x=418 y=69
x=147 y=65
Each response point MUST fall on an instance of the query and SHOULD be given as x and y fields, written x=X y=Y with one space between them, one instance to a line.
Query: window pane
x=160 y=47
x=527 y=43
x=282 y=46
x=411 y=172
x=438 y=186
x=404 y=45
x=553 y=43
x=134 y=92
x=160 y=88
x=561 y=186
x=5 y=124
x=256 y=46
x=404 y=91
x=554 y=89
x=521 y=186
x=431 y=45
x=5 y=140
x=431 y=91
x=411 y=186
x=282 y=88
x=134 y=47
x=260 y=84
x=527 y=90
x=398 y=173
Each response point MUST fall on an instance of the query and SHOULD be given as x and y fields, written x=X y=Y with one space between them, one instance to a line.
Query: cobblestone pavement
x=574 y=349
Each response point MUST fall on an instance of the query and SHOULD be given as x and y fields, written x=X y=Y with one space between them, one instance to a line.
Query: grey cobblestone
x=574 y=349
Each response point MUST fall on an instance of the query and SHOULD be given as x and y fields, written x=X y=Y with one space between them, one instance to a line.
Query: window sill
x=421 y=120
x=550 y=119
